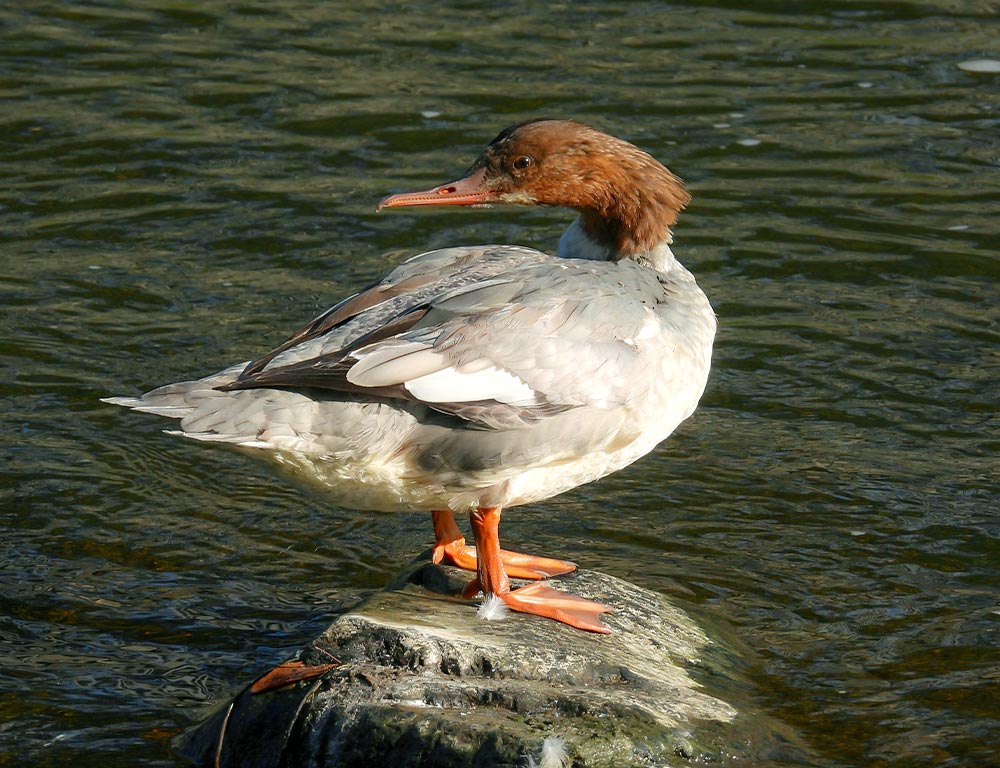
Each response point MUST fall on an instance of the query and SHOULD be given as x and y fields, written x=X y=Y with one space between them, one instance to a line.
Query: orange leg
x=538 y=599
x=450 y=546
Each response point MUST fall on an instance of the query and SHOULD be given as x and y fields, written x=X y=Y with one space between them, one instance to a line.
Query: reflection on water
x=186 y=183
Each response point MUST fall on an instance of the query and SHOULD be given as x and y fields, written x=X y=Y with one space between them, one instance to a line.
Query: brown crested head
x=627 y=199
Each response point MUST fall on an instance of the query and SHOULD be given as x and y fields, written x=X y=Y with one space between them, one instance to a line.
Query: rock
x=411 y=677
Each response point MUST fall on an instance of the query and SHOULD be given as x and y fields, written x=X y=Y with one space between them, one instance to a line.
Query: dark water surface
x=186 y=182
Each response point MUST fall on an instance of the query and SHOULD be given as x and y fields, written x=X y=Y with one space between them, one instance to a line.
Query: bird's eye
x=522 y=162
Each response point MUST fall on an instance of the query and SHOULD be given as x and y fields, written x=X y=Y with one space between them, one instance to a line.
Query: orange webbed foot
x=537 y=599
x=517 y=565
x=541 y=600
x=450 y=548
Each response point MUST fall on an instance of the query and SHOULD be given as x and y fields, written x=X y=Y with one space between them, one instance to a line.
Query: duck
x=476 y=379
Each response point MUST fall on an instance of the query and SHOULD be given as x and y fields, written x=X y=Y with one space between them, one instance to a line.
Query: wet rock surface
x=412 y=677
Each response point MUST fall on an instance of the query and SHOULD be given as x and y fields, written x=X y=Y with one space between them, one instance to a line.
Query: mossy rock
x=421 y=681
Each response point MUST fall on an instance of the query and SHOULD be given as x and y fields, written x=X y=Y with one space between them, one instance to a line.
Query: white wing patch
x=392 y=363
x=451 y=385
x=431 y=377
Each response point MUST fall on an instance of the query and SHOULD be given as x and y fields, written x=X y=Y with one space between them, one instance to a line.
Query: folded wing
x=499 y=337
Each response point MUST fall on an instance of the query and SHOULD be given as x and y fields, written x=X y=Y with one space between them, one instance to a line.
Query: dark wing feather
x=373 y=295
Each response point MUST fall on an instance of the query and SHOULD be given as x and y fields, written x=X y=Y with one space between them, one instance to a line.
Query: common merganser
x=480 y=378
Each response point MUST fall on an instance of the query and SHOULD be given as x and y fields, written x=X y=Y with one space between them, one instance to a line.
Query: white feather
x=138 y=404
x=450 y=385
x=554 y=754
x=393 y=363
x=493 y=609
x=215 y=437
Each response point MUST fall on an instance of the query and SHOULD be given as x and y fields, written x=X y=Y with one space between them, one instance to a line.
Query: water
x=184 y=183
